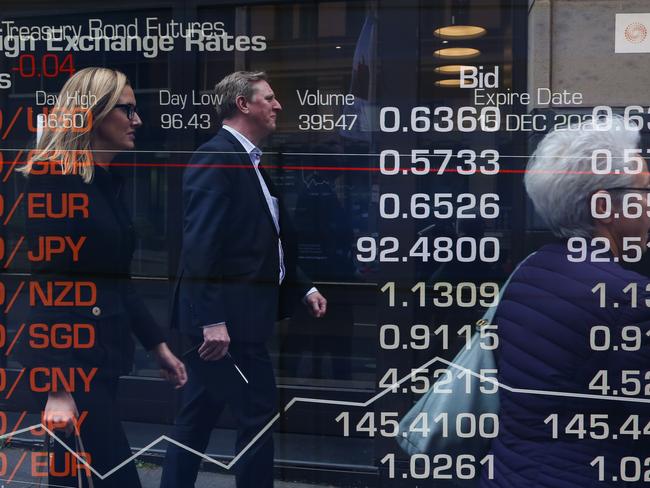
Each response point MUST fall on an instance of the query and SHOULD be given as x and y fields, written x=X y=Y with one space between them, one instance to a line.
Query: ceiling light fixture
x=451 y=69
x=449 y=83
x=460 y=32
x=457 y=53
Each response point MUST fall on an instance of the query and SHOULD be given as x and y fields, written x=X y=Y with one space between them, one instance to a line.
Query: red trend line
x=15 y=470
x=20 y=419
x=15 y=384
x=15 y=295
x=15 y=250
x=11 y=168
x=12 y=123
x=15 y=339
x=13 y=208
x=370 y=169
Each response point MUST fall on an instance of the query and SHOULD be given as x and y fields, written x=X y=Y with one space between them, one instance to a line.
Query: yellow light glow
x=449 y=83
x=450 y=69
x=459 y=32
x=457 y=53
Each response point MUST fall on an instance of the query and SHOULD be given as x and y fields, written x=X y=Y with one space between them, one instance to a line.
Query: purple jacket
x=544 y=323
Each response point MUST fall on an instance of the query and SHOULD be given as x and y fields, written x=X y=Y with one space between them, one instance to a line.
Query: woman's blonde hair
x=69 y=148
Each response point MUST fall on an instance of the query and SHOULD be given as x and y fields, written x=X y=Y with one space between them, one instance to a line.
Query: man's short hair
x=237 y=84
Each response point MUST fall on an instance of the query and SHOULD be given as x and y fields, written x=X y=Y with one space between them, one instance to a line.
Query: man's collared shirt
x=255 y=154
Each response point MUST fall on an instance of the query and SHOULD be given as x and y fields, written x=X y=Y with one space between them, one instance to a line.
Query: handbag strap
x=488 y=316
x=80 y=448
x=46 y=445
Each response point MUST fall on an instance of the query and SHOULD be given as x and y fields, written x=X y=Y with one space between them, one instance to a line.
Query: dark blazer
x=104 y=259
x=229 y=267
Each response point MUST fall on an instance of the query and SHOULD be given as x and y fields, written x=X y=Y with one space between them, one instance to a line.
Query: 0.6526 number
x=441 y=206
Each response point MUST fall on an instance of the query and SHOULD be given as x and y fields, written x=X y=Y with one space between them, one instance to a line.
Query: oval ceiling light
x=459 y=32
x=451 y=69
x=457 y=52
x=449 y=83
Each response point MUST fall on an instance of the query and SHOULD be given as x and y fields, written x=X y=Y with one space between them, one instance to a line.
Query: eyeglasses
x=129 y=109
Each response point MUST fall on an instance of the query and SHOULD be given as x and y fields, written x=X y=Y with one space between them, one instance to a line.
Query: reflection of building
x=586 y=28
x=311 y=46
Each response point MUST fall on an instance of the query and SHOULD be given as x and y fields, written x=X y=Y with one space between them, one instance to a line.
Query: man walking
x=237 y=276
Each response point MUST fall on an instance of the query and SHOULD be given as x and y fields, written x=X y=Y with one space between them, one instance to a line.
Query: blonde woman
x=101 y=236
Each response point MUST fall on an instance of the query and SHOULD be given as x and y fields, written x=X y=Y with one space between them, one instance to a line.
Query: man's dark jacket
x=229 y=265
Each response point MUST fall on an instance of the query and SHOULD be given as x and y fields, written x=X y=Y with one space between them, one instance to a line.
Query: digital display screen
x=330 y=243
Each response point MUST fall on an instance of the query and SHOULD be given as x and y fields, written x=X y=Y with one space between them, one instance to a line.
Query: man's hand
x=60 y=412
x=215 y=343
x=172 y=369
x=316 y=304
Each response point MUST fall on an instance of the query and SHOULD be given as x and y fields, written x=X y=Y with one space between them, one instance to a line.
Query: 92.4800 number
x=439 y=249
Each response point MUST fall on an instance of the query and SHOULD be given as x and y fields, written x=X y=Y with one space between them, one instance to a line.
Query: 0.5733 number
x=423 y=162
